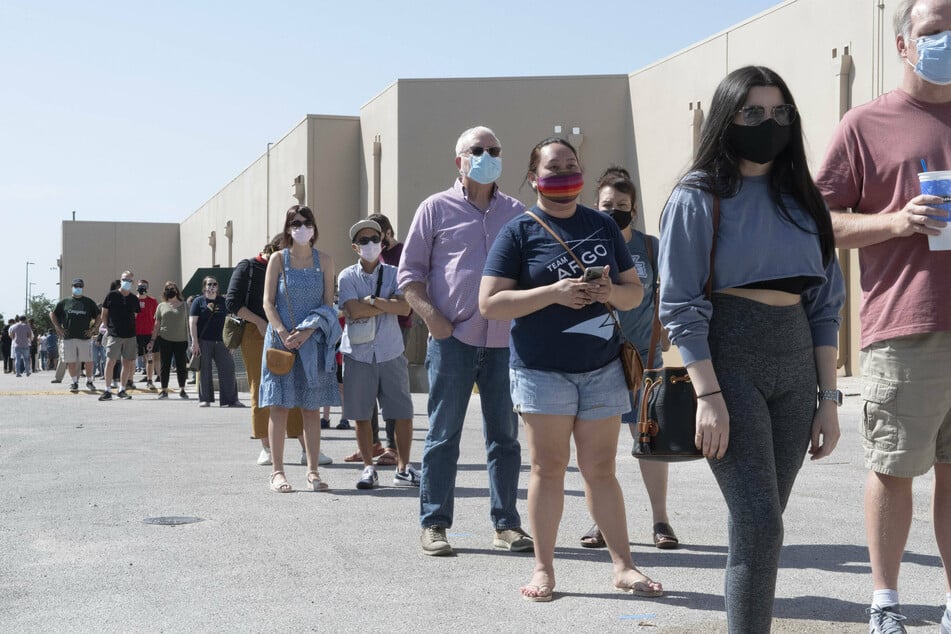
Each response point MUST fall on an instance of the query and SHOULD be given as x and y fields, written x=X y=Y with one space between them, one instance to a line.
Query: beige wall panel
x=99 y=252
x=333 y=189
x=522 y=112
x=379 y=119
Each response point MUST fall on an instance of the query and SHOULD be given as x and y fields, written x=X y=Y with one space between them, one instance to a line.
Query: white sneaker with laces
x=324 y=459
x=887 y=620
x=265 y=457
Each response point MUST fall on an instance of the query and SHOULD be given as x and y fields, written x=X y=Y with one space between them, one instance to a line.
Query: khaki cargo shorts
x=906 y=420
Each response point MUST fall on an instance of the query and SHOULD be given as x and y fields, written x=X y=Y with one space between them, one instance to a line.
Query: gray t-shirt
x=636 y=323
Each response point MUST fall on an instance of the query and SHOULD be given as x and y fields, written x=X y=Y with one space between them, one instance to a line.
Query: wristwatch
x=372 y=300
x=831 y=395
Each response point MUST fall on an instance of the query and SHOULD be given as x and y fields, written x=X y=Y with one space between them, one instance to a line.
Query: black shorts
x=142 y=341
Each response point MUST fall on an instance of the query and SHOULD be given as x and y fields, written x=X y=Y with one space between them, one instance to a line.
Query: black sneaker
x=150 y=385
x=163 y=394
x=74 y=386
x=124 y=394
x=90 y=386
x=106 y=396
x=54 y=380
x=183 y=394
x=369 y=479
x=130 y=385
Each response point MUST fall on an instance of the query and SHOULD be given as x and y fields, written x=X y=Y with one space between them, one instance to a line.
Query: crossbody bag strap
x=655 y=320
x=545 y=226
x=287 y=294
x=379 y=280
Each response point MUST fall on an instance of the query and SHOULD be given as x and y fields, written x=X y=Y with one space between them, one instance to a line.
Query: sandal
x=315 y=483
x=536 y=594
x=356 y=456
x=280 y=487
x=664 y=537
x=387 y=459
x=647 y=588
x=593 y=538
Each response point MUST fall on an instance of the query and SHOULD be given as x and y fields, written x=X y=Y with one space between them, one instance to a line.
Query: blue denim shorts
x=591 y=395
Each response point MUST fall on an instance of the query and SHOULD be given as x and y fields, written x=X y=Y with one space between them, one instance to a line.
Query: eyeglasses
x=211 y=285
x=297 y=224
x=477 y=150
x=365 y=240
x=783 y=114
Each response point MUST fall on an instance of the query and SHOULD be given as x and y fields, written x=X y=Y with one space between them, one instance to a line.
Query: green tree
x=39 y=312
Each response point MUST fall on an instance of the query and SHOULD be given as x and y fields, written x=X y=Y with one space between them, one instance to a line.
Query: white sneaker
x=303 y=457
x=368 y=479
x=324 y=459
x=265 y=457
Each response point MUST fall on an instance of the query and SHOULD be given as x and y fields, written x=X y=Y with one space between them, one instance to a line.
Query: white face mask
x=370 y=251
x=302 y=235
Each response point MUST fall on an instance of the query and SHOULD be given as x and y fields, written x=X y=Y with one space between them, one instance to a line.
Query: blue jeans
x=453 y=368
x=22 y=356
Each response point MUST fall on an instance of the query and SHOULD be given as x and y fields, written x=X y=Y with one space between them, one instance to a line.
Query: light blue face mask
x=934 y=58
x=77 y=290
x=126 y=285
x=485 y=169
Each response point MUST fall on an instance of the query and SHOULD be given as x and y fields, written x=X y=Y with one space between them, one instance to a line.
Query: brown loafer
x=664 y=537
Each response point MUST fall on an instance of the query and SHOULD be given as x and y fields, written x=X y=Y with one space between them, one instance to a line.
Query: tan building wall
x=99 y=252
x=426 y=117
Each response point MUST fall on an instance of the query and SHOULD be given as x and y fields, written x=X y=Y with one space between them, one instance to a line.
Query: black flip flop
x=664 y=537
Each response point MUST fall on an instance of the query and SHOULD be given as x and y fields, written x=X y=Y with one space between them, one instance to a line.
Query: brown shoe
x=664 y=537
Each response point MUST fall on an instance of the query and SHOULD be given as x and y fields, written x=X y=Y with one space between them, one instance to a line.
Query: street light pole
x=26 y=296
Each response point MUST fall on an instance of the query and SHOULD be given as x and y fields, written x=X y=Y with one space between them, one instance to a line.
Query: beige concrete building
x=832 y=53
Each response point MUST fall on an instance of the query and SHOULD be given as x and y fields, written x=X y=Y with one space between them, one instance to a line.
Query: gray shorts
x=76 y=350
x=365 y=383
x=121 y=348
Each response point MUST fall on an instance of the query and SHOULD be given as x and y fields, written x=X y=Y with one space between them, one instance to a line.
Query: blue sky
x=142 y=111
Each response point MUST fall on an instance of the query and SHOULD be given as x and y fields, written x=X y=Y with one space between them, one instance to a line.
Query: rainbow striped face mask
x=561 y=188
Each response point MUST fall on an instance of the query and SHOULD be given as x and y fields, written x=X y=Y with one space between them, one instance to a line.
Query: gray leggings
x=763 y=358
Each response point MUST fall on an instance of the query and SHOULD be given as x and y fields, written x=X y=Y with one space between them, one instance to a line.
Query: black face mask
x=143 y=290
x=758 y=143
x=621 y=217
x=169 y=294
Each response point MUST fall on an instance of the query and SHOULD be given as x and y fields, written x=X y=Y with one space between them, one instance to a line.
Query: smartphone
x=593 y=273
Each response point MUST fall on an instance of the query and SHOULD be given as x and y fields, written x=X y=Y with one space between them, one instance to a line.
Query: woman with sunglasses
x=566 y=378
x=206 y=323
x=760 y=345
x=170 y=338
x=298 y=302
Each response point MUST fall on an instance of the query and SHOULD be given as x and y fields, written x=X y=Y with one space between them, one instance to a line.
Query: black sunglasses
x=211 y=285
x=365 y=240
x=477 y=150
x=297 y=224
x=783 y=114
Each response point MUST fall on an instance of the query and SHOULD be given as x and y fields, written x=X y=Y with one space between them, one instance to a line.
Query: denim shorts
x=906 y=419
x=591 y=395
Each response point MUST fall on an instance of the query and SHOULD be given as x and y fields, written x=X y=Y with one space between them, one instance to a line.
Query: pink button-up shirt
x=446 y=248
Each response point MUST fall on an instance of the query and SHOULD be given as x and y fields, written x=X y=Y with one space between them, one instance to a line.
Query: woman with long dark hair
x=760 y=348
x=298 y=302
x=566 y=378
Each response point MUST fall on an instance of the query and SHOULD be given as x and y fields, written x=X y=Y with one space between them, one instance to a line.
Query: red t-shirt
x=872 y=167
x=145 y=318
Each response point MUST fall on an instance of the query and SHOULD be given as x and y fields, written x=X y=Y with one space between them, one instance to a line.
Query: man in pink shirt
x=871 y=167
x=440 y=272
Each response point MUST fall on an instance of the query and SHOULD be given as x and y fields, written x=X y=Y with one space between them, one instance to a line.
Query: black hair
x=715 y=168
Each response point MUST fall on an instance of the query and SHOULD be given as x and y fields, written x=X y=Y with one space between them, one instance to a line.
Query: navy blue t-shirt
x=557 y=337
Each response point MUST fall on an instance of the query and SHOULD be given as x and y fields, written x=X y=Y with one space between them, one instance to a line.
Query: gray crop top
x=755 y=243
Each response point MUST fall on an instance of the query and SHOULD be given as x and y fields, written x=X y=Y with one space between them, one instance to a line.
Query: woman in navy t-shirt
x=566 y=377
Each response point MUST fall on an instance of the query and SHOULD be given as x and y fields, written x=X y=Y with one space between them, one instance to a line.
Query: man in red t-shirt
x=144 y=324
x=871 y=167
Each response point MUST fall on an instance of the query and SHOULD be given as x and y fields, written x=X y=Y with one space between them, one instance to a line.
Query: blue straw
x=924 y=166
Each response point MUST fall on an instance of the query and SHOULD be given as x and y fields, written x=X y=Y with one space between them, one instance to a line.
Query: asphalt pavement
x=80 y=480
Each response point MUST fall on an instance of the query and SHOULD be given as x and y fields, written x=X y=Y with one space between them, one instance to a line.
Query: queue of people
x=744 y=281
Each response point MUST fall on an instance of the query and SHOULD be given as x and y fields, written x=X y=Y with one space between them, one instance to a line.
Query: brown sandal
x=593 y=538
x=664 y=537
